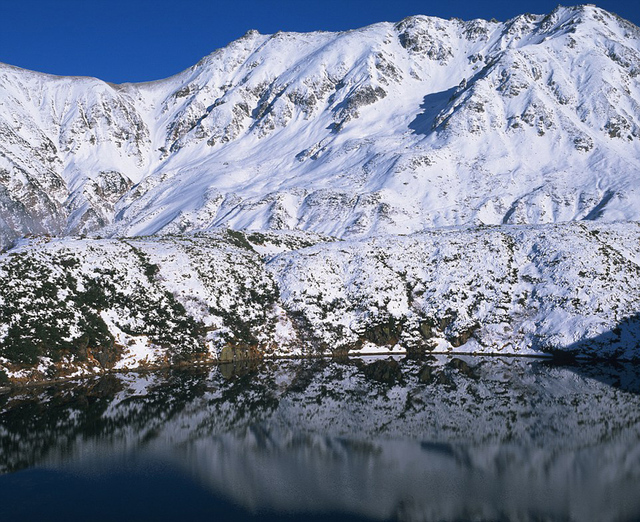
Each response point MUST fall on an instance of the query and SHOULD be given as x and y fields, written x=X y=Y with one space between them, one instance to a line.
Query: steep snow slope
x=69 y=148
x=391 y=128
x=74 y=307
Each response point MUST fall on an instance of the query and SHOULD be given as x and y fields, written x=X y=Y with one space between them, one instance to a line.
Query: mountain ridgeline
x=393 y=128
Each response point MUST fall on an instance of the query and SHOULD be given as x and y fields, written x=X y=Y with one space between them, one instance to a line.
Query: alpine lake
x=435 y=438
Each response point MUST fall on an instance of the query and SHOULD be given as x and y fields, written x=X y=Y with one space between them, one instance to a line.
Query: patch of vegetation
x=37 y=323
x=51 y=308
x=239 y=239
x=244 y=294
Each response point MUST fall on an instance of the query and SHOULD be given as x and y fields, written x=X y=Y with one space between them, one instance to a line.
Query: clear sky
x=139 y=40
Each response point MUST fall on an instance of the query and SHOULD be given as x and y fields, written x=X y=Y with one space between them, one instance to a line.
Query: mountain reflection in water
x=435 y=438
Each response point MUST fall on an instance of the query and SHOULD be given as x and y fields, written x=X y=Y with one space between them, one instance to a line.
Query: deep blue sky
x=138 y=40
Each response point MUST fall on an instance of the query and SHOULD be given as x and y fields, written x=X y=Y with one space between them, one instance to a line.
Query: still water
x=436 y=438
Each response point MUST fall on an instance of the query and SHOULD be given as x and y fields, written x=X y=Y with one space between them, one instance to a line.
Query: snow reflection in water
x=415 y=439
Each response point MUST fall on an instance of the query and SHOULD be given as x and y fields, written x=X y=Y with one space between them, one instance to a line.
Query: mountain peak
x=393 y=128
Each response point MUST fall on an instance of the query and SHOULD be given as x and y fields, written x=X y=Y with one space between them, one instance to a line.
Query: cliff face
x=391 y=128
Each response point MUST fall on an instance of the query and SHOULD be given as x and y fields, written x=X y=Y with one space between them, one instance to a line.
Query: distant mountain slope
x=391 y=128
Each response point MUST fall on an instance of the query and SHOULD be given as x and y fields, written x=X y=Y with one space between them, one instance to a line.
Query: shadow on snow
x=432 y=105
x=621 y=341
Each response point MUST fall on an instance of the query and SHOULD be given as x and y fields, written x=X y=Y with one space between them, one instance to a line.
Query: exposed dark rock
x=387 y=333
x=462 y=336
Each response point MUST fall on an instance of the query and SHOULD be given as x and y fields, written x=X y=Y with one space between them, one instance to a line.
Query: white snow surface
x=507 y=289
x=393 y=128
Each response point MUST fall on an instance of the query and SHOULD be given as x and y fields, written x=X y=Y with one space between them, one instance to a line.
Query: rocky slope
x=82 y=306
x=390 y=128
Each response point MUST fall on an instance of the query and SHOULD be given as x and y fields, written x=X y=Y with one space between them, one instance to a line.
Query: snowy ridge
x=392 y=128
x=77 y=307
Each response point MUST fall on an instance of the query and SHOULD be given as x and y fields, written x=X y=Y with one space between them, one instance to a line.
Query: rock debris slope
x=392 y=128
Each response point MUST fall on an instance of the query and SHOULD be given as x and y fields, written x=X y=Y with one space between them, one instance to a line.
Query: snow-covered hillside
x=392 y=128
x=72 y=307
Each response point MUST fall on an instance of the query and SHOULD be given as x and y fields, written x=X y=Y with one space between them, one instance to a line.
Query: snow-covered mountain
x=391 y=149
x=392 y=128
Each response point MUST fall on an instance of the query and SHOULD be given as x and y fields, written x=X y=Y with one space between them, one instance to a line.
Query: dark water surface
x=468 y=438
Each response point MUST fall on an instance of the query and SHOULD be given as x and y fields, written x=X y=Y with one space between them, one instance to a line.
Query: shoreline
x=379 y=354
